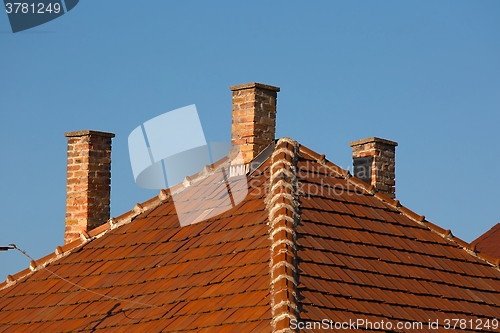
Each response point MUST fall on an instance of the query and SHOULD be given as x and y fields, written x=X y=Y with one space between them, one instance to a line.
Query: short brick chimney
x=374 y=162
x=254 y=118
x=88 y=181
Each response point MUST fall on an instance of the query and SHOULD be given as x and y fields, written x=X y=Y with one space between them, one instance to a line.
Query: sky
x=423 y=73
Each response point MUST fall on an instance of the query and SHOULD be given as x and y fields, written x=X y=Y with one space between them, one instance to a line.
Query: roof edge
x=479 y=241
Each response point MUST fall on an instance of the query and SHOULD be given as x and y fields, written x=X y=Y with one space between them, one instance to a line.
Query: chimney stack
x=88 y=181
x=374 y=162
x=254 y=118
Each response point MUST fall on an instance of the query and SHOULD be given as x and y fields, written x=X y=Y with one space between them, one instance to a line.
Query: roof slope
x=151 y=275
x=308 y=243
x=362 y=257
x=489 y=242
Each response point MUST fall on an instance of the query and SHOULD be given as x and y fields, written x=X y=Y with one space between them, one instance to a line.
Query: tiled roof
x=151 y=275
x=365 y=256
x=489 y=242
x=308 y=243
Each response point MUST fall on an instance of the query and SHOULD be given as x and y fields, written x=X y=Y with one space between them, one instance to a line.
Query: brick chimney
x=374 y=162
x=254 y=118
x=88 y=181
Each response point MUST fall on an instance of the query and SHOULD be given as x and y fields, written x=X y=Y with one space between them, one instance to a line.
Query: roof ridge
x=470 y=248
x=113 y=223
x=282 y=203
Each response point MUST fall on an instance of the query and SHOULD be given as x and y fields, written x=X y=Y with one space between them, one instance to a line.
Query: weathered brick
x=254 y=113
x=88 y=179
x=374 y=163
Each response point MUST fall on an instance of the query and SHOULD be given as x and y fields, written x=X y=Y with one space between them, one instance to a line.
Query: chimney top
x=88 y=132
x=373 y=140
x=254 y=85
x=374 y=162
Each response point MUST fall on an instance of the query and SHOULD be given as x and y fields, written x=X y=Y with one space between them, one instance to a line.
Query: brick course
x=88 y=182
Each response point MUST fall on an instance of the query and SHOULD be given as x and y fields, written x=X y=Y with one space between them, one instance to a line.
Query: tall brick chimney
x=374 y=162
x=88 y=181
x=254 y=118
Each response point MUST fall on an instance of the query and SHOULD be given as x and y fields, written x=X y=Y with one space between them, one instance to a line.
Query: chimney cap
x=373 y=139
x=254 y=85
x=89 y=132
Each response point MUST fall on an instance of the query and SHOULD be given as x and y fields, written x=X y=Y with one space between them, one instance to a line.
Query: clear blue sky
x=423 y=73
